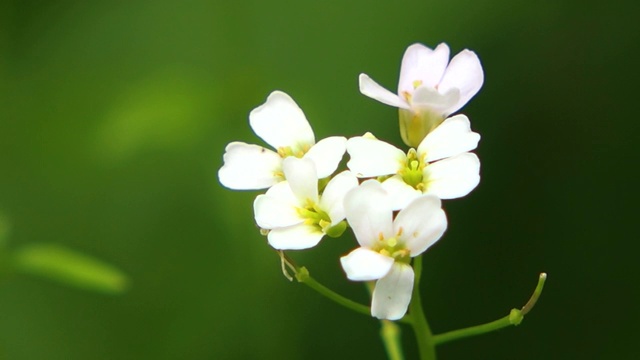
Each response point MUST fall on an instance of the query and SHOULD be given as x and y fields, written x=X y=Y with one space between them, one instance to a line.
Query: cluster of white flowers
x=390 y=199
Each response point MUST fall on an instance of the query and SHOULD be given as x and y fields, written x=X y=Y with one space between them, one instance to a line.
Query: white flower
x=387 y=245
x=283 y=125
x=441 y=165
x=296 y=215
x=430 y=88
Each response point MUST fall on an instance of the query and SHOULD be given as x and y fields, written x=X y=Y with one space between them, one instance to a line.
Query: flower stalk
x=390 y=334
x=302 y=275
x=424 y=337
x=514 y=318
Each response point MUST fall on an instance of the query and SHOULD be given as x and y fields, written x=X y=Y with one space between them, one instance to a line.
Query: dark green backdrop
x=113 y=120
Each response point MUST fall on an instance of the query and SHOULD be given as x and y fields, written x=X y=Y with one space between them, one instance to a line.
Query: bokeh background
x=113 y=120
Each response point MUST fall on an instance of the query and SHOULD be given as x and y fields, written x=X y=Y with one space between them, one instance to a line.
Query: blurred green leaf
x=69 y=267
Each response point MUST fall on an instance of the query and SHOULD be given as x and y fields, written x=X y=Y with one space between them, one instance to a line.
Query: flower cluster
x=390 y=198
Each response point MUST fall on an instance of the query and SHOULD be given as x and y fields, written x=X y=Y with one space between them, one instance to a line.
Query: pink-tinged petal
x=453 y=177
x=368 y=212
x=302 y=177
x=332 y=199
x=327 y=154
x=452 y=137
x=400 y=193
x=373 y=90
x=424 y=65
x=372 y=157
x=421 y=224
x=281 y=123
x=297 y=237
x=430 y=99
x=275 y=208
x=392 y=294
x=363 y=264
x=464 y=73
x=249 y=167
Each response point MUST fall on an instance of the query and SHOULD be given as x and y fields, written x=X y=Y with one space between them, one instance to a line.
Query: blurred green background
x=113 y=120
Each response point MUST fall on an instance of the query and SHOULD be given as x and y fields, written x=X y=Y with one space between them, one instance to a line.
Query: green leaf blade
x=69 y=267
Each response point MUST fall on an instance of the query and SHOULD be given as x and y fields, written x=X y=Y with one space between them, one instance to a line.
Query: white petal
x=368 y=213
x=422 y=223
x=249 y=167
x=302 y=177
x=276 y=208
x=327 y=154
x=400 y=193
x=281 y=123
x=464 y=73
x=392 y=294
x=373 y=90
x=332 y=199
x=372 y=157
x=297 y=237
x=439 y=102
x=453 y=177
x=363 y=264
x=282 y=190
x=420 y=63
x=452 y=137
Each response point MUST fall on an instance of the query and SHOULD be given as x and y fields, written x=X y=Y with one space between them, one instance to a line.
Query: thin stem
x=424 y=337
x=302 y=275
x=536 y=294
x=390 y=334
x=472 y=331
x=514 y=318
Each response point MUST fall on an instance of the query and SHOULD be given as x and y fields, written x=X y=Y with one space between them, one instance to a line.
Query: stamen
x=278 y=174
x=282 y=152
x=400 y=253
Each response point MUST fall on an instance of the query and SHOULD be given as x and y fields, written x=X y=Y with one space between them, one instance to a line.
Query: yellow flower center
x=314 y=216
x=392 y=247
x=297 y=151
x=413 y=171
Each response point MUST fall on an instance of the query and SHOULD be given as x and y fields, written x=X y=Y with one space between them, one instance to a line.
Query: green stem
x=472 y=331
x=424 y=337
x=390 y=334
x=302 y=275
x=514 y=318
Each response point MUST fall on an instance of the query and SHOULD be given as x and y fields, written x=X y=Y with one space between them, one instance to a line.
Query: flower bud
x=337 y=230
